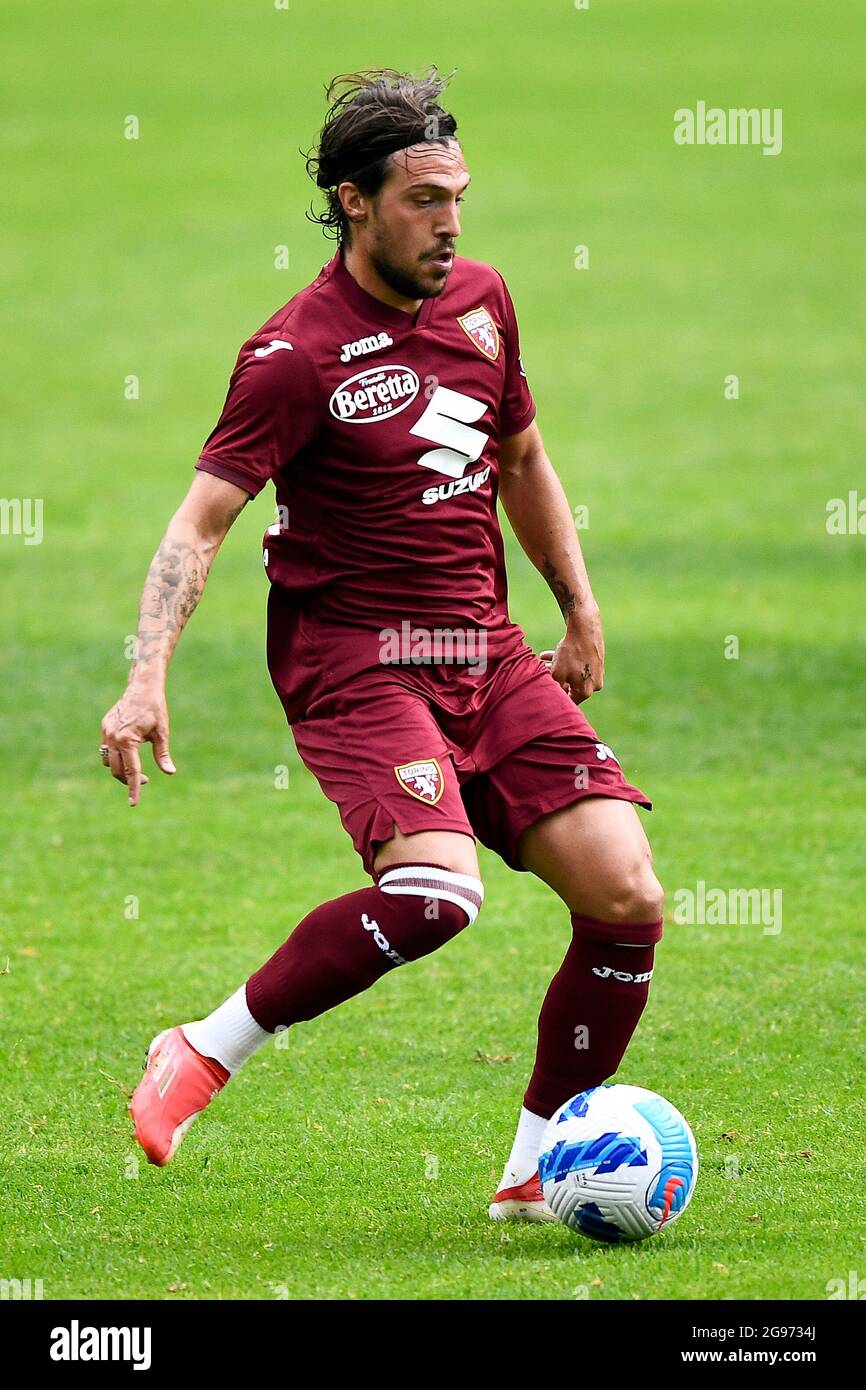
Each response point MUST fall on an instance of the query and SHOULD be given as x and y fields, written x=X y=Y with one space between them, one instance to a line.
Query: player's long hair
x=370 y=115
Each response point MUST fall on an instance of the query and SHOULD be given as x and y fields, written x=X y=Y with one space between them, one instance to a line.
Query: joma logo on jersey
x=422 y=780
x=374 y=394
x=446 y=490
x=361 y=346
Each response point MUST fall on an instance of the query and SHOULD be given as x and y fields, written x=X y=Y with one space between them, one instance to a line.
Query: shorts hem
x=372 y=838
x=522 y=823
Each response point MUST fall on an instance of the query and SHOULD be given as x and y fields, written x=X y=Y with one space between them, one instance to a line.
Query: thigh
x=549 y=773
x=442 y=847
x=596 y=856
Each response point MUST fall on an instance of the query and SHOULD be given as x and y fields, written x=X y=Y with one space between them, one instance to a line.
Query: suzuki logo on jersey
x=422 y=780
x=460 y=485
x=482 y=331
x=374 y=394
x=447 y=421
x=364 y=345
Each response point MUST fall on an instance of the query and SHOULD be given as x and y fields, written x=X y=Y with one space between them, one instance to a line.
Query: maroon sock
x=591 y=1009
x=344 y=946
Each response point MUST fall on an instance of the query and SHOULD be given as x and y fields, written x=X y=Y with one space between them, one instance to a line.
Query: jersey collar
x=373 y=308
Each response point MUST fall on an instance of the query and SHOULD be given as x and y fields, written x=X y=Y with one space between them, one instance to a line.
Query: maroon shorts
x=486 y=752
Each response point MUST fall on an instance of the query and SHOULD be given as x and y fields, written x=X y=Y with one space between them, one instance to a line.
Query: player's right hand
x=140 y=716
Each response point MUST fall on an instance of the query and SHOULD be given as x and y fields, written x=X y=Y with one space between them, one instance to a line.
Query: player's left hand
x=577 y=664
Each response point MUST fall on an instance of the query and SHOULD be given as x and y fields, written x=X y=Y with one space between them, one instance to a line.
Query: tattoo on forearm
x=174 y=585
x=564 y=595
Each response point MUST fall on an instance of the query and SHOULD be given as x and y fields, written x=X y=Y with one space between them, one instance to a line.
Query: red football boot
x=523 y=1203
x=178 y=1083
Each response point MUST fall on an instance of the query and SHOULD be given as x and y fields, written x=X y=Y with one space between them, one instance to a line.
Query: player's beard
x=400 y=278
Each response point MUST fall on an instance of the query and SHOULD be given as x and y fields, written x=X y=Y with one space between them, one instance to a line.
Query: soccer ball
x=618 y=1163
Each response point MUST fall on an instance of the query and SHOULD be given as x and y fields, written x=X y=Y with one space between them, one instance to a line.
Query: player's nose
x=449 y=224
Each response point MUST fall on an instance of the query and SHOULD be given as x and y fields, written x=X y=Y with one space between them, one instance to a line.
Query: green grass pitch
x=357 y=1161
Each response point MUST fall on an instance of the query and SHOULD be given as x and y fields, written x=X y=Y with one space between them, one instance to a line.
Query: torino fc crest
x=479 y=326
x=422 y=780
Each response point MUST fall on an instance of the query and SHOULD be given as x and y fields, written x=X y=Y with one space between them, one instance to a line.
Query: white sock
x=230 y=1033
x=523 y=1159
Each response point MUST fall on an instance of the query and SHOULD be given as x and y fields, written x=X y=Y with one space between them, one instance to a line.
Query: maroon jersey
x=381 y=432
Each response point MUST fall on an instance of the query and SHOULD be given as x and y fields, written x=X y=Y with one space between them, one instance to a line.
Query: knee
x=444 y=904
x=637 y=897
x=438 y=924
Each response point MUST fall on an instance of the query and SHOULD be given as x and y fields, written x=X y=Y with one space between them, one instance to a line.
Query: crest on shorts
x=422 y=780
x=479 y=326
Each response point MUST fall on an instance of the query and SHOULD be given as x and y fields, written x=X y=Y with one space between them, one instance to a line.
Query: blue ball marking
x=677 y=1161
x=577 y=1107
x=589 y=1220
x=605 y=1153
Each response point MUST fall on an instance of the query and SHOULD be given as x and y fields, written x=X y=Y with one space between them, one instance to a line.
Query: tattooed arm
x=537 y=508
x=174 y=584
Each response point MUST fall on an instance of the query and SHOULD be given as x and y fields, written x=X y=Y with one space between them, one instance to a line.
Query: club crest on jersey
x=373 y=394
x=422 y=780
x=479 y=326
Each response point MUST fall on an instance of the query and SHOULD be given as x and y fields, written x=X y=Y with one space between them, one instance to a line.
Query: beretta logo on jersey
x=422 y=780
x=372 y=394
x=480 y=328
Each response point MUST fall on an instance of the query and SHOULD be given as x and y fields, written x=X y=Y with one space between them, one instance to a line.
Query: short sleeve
x=517 y=408
x=270 y=413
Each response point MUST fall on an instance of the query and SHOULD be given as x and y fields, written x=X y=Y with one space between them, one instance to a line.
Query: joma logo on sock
x=381 y=941
x=625 y=977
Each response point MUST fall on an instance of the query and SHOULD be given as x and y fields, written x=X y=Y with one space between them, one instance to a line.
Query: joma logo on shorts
x=625 y=977
x=369 y=924
x=361 y=346
x=374 y=393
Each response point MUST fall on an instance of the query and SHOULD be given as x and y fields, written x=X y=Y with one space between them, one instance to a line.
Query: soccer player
x=388 y=404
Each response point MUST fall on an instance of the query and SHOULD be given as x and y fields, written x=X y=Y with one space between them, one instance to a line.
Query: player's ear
x=353 y=201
